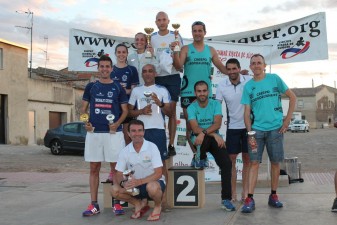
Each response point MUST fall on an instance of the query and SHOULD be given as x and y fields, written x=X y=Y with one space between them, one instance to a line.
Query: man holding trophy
x=148 y=103
x=107 y=104
x=168 y=76
x=140 y=161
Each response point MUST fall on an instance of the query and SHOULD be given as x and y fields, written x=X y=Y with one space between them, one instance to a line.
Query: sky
x=53 y=19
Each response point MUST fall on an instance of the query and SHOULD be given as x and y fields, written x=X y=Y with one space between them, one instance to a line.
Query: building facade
x=317 y=105
x=29 y=106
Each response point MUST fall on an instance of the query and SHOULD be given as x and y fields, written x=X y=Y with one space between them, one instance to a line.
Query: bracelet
x=122 y=183
x=204 y=131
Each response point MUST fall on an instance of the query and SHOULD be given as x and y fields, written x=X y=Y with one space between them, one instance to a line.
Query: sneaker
x=109 y=180
x=248 y=206
x=118 y=209
x=334 y=206
x=202 y=163
x=227 y=205
x=171 y=150
x=92 y=209
x=274 y=202
x=193 y=162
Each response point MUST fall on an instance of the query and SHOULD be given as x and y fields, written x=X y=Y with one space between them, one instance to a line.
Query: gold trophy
x=176 y=27
x=149 y=31
x=111 y=118
x=84 y=117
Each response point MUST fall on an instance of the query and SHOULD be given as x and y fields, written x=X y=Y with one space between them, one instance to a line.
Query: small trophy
x=176 y=27
x=84 y=117
x=127 y=173
x=110 y=118
x=149 y=31
x=148 y=98
x=252 y=141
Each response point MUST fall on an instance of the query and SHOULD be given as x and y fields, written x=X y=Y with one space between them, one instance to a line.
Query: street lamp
x=31 y=38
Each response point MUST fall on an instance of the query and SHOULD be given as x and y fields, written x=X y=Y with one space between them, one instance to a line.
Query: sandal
x=153 y=217
x=141 y=212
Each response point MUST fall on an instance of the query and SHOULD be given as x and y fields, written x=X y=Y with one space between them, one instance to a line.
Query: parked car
x=300 y=125
x=290 y=125
x=69 y=136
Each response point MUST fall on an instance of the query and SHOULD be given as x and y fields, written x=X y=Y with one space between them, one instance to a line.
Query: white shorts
x=100 y=147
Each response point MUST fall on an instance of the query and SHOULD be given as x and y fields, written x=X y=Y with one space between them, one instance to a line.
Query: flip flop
x=134 y=215
x=153 y=217
x=141 y=212
x=144 y=210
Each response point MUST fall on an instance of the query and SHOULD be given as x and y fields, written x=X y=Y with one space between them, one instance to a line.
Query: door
x=31 y=128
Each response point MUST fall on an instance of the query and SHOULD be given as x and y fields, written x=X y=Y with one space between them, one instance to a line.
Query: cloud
x=300 y=4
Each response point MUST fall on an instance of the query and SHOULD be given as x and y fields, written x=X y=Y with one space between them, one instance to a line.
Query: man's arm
x=85 y=106
x=248 y=121
x=156 y=175
x=179 y=58
x=137 y=112
x=216 y=61
x=202 y=132
x=292 y=101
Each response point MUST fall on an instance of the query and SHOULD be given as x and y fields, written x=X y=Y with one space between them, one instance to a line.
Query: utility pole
x=30 y=13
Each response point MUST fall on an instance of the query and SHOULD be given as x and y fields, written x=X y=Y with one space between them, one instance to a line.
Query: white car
x=290 y=125
x=300 y=125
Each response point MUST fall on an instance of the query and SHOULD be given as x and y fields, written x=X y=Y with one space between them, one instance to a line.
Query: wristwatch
x=204 y=131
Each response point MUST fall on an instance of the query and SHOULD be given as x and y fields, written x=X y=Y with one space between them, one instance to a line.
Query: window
x=1 y=59
x=300 y=103
x=72 y=128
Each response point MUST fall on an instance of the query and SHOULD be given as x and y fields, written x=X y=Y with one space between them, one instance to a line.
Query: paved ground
x=39 y=188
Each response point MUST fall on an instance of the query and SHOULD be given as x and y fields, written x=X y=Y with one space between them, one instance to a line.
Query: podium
x=186 y=187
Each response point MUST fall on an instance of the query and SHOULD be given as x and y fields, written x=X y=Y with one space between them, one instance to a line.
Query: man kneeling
x=142 y=157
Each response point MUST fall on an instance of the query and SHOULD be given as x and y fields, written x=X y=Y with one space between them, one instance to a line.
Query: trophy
x=176 y=27
x=252 y=141
x=111 y=118
x=148 y=98
x=127 y=173
x=84 y=117
x=149 y=31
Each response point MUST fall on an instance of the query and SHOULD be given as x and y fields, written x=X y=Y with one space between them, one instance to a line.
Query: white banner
x=299 y=40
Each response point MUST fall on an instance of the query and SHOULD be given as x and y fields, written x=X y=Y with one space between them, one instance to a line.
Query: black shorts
x=172 y=84
x=186 y=101
x=236 y=141
x=128 y=119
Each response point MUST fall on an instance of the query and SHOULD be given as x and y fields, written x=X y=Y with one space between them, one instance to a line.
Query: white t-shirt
x=163 y=52
x=232 y=95
x=137 y=98
x=143 y=163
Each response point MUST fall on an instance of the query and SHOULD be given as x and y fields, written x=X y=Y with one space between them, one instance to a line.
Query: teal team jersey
x=197 y=67
x=204 y=116
x=264 y=98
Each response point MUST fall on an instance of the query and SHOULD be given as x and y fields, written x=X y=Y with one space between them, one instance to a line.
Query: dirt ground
x=316 y=150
